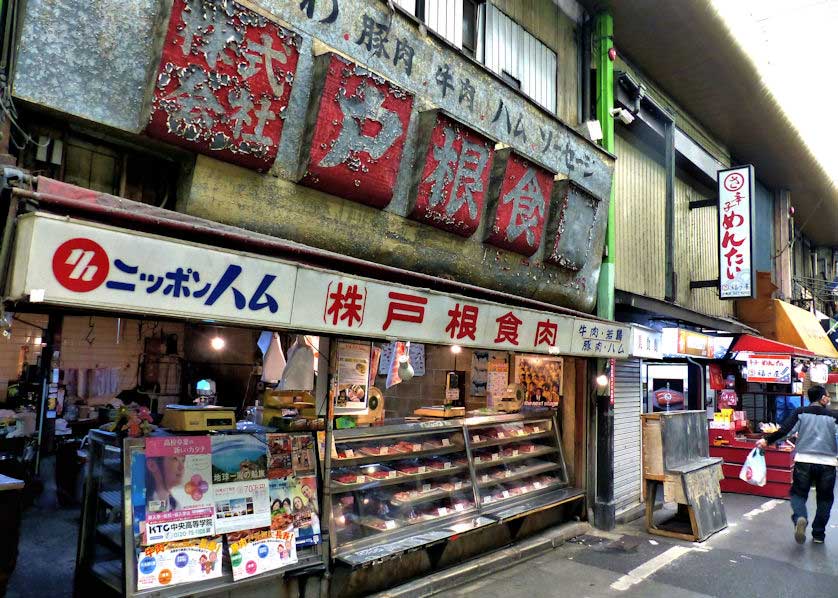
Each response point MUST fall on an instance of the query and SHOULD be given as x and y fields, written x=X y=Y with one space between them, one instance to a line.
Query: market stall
x=466 y=433
x=759 y=384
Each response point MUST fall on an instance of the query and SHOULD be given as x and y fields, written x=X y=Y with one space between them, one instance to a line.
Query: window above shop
x=488 y=35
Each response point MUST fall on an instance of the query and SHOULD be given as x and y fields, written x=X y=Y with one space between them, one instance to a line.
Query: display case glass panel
x=515 y=459
x=384 y=483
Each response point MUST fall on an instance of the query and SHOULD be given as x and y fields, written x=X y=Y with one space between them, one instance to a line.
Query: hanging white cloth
x=299 y=371
x=273 y=359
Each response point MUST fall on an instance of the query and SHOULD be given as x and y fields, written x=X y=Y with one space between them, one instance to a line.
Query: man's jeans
x=823 y=478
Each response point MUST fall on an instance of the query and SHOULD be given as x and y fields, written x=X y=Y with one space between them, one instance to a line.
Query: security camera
x=624 y=115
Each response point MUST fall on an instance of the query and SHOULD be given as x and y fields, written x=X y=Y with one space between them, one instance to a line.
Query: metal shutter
x=627 y=408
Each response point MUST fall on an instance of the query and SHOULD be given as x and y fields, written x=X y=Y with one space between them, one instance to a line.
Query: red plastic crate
x=773 y=458
x=770 y=490
x=779 y=476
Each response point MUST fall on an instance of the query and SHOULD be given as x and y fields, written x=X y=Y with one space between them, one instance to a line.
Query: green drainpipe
x=604 y=506
x=603 y=32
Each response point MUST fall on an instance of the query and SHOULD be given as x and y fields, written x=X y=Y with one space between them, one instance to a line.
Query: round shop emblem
x=80 y=265
x=181 y=560
x=147 y=565
x=262 y=551
x=250 y=567
x=734 y=181
x=236 y=559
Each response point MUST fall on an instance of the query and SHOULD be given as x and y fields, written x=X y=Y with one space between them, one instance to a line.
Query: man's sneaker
x=817 y=540
x=800 y=530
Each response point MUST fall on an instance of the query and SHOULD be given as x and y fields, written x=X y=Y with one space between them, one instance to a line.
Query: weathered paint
x=232 y=195
x=223 y=83
x=518 y=204
x=92 y=58
x=640 y=187
x=451 y=176
x=357 y=132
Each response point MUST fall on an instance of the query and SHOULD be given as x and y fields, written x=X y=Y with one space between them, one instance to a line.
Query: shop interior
x=437 y=399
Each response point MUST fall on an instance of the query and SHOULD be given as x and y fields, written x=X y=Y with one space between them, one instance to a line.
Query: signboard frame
x=750 y=184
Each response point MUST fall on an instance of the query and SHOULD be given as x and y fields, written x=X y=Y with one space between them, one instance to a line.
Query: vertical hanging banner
x=736 y=221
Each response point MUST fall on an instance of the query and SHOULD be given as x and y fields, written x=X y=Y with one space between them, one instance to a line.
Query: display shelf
x=509 y=439
x=518 y=475
x=338 y=488
x=109 y=573
x=506 y=510
x=423 y=497
x=519 y=457
x=112 y=498
x=389 y=457
x=111 y=533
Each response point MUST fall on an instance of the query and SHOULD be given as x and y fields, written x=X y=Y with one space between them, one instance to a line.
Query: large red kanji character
x=345 y=305
x=405 y=308
x=728 y=220
x=545 y=333
x=729 y=240
x=508 y=328
x=463 y=321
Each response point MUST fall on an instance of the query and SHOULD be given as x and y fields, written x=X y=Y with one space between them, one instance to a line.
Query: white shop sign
x=646 y=343
x=82 y=264
x=736 y=235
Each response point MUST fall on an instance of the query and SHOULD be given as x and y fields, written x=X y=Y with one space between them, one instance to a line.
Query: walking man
x=814 y=461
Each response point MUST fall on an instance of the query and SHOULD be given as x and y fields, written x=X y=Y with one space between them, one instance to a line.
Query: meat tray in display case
x=515 y=459
x=396 y=487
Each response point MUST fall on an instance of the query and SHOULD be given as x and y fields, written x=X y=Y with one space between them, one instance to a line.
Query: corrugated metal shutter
x=627 y=406
x=510 y=48
x=446 y=18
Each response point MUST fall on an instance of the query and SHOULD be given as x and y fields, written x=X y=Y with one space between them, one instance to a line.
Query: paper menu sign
x=239 y=458
x=173 y=563
x=241 y=506
x=178 y=488
x=255 y=552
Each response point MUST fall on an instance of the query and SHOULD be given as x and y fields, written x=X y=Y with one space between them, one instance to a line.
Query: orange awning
x=796 y=326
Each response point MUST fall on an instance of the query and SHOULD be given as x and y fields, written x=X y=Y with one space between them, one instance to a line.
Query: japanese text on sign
x=735 y=232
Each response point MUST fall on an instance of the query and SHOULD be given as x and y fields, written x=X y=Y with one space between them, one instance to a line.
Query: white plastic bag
x=753 y=471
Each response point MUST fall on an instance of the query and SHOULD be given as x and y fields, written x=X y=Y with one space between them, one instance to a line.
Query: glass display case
x=395 y=487
x=515 y=458
x=391 y=480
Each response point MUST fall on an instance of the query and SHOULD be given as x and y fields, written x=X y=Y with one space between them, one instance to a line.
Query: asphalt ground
x=756 y=556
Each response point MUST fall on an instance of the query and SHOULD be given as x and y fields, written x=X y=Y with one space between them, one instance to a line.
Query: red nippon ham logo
x=80 y=265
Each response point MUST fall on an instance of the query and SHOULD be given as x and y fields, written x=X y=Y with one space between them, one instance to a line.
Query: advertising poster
x=279 y=456
x=240 y=484
x=541 y=379
x=497 y=378
x=479 y=373
x=352 y=378
x=178 y=488
x=303 y=455
x=255 y=552
x=294 y=507
x=173 y=563
x=239 y=458
x=241 y=506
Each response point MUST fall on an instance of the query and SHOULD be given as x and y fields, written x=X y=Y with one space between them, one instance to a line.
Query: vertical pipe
x=604 y=32
x=604 y=506
x=671 y=290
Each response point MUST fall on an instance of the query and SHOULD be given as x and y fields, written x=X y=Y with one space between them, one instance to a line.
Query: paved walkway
x=755 y=557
